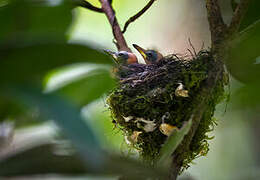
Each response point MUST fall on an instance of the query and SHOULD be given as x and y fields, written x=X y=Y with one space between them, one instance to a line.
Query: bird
x=127 y=64
x=123 y=57
x=150 y=56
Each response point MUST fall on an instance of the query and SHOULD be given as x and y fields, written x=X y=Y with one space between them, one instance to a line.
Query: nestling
x=123 y=57
x=150 y=56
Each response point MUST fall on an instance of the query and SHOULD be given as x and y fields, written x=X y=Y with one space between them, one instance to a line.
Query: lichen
x=148 y=92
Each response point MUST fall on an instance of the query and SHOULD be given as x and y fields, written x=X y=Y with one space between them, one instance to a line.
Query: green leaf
x=67 y=117
x=28 y=20
x=172 y=143
x=252 y=14
x=88 y=83
x=81 y=83
x=93 y=159
x=13 y=111
x=243 y=54
x=29 y=63
x=247 y=96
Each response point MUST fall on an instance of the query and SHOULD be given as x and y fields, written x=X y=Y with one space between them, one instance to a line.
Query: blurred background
x=166 y=26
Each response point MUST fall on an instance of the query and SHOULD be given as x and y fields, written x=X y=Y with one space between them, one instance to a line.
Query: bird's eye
x=149 y=54
x=120 y=54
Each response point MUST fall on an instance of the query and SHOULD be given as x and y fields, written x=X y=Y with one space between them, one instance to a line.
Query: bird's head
x=150 y=56
x=123 y=57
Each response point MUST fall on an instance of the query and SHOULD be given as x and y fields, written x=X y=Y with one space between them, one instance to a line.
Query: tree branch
x=118 y=35
x=216 y=23
x=89 y=6
x=177 y=158
x=45 y=159
x=136 y=16
x=239 y=13
x=203 y=98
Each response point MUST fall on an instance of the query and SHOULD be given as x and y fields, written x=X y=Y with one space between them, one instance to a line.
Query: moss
x=148 y=92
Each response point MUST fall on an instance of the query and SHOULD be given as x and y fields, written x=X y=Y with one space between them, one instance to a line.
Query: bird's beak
x=112 y=54
x=140 y=50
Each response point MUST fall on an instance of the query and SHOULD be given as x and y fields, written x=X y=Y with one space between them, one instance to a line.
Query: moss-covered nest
x=146 y=97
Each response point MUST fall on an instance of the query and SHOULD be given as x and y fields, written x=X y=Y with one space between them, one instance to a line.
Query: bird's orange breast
x=132 y=59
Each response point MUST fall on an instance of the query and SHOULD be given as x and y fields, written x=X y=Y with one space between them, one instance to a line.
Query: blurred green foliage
x=27 y=20
x=243 y=55
x=34 y=51
x=33 y=44
x=242 y=65
x=252 y=14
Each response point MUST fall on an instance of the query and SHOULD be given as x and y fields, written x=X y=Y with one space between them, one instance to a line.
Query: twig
x=202 y=46
x=192 y=55
x=234 y=5
x=194 y=51
x=120 y=40
x=239 y=13
x=89 y=6
x=216 y=23
x=136 y=16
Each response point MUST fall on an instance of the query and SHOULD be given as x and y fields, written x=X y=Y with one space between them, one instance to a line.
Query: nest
x=146 y=98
